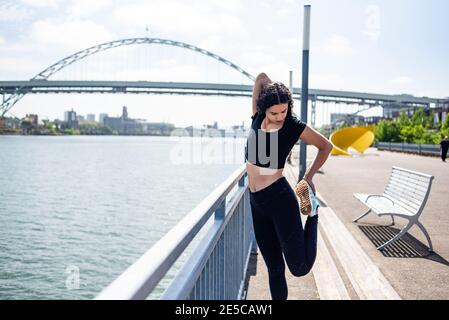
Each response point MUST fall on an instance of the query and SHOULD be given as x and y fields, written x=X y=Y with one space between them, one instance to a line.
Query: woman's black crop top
x=270 y=149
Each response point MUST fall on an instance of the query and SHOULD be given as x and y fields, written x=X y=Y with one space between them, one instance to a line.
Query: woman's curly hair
x=272 y=94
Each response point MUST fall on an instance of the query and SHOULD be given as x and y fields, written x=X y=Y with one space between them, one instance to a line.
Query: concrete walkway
x=412 y=272
x=348 y=265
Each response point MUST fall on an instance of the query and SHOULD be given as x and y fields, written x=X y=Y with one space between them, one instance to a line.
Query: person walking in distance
x=275 y=209
x=444 y=146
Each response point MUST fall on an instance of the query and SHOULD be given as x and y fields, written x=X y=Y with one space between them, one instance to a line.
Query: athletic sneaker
x=308 y=201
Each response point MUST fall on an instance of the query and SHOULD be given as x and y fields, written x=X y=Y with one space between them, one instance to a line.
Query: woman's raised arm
x=261 y=80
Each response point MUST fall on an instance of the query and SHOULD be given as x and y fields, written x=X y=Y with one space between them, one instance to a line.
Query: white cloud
x=18 y=68
x=2 y=40
x=77 y=34
x=257 y=58
x=179 y=17
x=277 y=71
x=290 y=42
x=24 y=48
x=401 y=81
x=83 y=8
x=265 y=4
x=212 y=43
x=335 y=45
x=13 y=12
x=167 y=72
x=330 y=81
x=284 y=12
x=228 y=5
x=290 y=46
x=372 y=22
x=42 y=3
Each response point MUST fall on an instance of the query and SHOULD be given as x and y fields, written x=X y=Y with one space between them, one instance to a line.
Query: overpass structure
x=370 y=100
x=237 y=90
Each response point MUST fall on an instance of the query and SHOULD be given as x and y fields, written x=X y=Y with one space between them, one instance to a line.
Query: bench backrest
x=409 y=189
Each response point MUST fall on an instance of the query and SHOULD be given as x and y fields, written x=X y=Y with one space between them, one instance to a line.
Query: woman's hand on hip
x=310 y=182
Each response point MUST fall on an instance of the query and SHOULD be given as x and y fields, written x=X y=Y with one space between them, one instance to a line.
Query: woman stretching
x=275 y=209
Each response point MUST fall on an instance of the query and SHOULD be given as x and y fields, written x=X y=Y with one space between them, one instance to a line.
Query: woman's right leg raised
x=299 y=245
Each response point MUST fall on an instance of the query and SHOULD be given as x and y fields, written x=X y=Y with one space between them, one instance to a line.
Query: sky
x=376 y=46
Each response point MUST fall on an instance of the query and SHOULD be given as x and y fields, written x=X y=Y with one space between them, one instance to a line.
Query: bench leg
x=396 y=237
x=426 y=234
x=357 y=219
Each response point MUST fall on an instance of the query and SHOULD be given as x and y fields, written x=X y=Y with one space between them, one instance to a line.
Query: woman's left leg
x=271 y=251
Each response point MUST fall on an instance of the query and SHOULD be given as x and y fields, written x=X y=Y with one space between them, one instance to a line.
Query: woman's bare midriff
x=260 y=178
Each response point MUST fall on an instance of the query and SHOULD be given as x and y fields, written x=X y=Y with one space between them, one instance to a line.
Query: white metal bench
x=405 y=196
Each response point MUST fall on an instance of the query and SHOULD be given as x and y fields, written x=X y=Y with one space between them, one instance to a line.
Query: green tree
x=344 y=125
x=325 y=130
x=403 y=119
x=71 y=131
x=444 y=131
x=420 y=118
x=419 y=128
x=94 y=129
x=430 y=137
x=419 y=134
x=387 y=131
x=407 y=133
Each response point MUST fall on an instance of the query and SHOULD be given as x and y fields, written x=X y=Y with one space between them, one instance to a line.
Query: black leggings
x=278 y=229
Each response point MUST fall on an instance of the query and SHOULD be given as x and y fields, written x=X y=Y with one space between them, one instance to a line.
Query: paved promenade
x=348 y=264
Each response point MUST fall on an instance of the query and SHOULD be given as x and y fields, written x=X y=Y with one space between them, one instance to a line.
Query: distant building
x=193 y=132
x=71 y=119
x=90 y=117
x=211 y=126
x=125 y=125
x=373 y=120
x=392 y=110
x=124 y=112
x=101 y=117
x=29 y=123
x=70 y=115
x=10 y=123
x=236 y=131
x=336 y=117
x=80 y=118
x=350 y=119
x=441 y=112
x=239 y=127
x=206 y=131
x=57 y=123
x=115 y=123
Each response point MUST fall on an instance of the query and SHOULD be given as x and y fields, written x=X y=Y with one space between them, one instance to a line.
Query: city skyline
x=98 y=118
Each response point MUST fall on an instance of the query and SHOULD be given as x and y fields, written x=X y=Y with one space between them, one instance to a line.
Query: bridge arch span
x=61 y=64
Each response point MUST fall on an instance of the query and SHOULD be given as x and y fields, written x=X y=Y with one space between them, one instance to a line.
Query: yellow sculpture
x=359 y=138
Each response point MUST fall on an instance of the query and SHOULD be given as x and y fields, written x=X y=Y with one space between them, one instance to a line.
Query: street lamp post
x=304 y=88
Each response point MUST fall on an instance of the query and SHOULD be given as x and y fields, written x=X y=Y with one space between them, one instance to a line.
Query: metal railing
x=422 y=149
x=216 y=269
